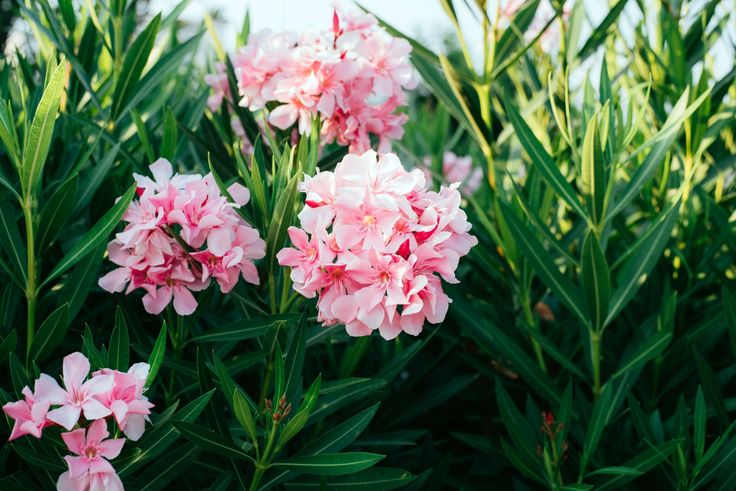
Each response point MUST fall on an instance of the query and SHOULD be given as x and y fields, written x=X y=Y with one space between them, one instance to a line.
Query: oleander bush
x=336 y=259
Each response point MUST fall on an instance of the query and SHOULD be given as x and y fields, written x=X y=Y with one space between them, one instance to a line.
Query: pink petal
x=345 y=308
x=68 y=483
x=161 y=171
x=94 y=409
x=115 y=280
x=47 y=389
x=97 y=432
x=135 y=426
x=75 y=369
x=239 y=193
x=111 y=448
x=283 y=116
x=66 y=416
x=156 y=304
x=219 y=241
x=98 y=385
x=184 y=302
x=298 y=238
x=74 y=441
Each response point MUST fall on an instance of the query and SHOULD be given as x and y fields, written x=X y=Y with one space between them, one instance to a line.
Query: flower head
x=180 y=233
x=89 y=467
x=375 y=244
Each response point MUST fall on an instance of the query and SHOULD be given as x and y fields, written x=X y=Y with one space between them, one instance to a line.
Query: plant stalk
x=595 y=351
x=31 y=288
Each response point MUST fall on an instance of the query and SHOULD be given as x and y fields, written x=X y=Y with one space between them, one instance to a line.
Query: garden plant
x=339 y=259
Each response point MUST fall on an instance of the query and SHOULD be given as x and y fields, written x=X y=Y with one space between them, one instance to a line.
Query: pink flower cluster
x=456 y=169
x=373 y=245
x=352 y=77
x=106 y=394
x=182 y=232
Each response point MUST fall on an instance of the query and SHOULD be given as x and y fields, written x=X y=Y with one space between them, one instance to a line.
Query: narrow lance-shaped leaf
x=50 y=334
x=94 y=237
x=331 y=464
x=119 y=343
x=543 y=162
x=57 y=211
x=642 y=261
x=133 y=64
x=42 y=128
x=593 y=172
x=595 y=281
x=543 y=265
x=157 y=355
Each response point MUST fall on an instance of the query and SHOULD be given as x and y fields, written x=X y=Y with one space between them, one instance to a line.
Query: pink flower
x=352 y=76
x=180 y=233
x=78 y=394
x=380 y=244
x=30 y=413
x=126 y=400
x=89 y=468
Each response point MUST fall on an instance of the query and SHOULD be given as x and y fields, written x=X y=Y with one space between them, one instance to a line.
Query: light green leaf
x=595 y=281
x=42 y=128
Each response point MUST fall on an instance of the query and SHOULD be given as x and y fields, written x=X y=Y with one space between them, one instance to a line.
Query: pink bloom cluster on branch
x=180 y=233
x=374 y=244
x=352 y=77
x=83 y=399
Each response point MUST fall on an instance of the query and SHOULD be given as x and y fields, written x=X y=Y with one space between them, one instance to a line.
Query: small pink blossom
x=126 y=400
x=89 y=468
x=456 y=169
x=78 y=394
x=29 y=414
x=180 y=233
x=375 y=244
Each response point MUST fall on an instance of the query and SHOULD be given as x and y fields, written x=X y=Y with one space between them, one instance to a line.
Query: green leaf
x=650 y=348
x=598 y=421
x=281 y=220
x=593 y=172
x=699 y=423
x=542 y=161
x=242 y=411
x=616 y=471
x=168 y=146
x=41 y=130
x=94 y=177
x=375 y=479
x=11 y=243
x=163 y=471
x=95 y=236
x=711 y=388
x=57 y=211
x=729 y=307
x=50 y=334
x=117 y=357
x=599 y=34
x=643 y=462
x=543 y=265
x=278 y=369
x=595 y=281
x=134 y=62
x=341 y=435
x=157 y=439
x=254 y=327
x=642 y=260
x=661 y=142
x=335 y=464
x=211 y=441
x=338 y=394
x=81 y=280
x=295 y=359
x=157 y=355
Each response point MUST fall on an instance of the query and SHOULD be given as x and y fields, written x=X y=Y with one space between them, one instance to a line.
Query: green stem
x=272 y=291
x=31 y=288
x=595 y=351
x=264 y=462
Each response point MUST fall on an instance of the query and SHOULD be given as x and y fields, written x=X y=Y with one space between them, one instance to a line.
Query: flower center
x=369 y=222
x=311 y=254
x=384 y=278
x=90 y=452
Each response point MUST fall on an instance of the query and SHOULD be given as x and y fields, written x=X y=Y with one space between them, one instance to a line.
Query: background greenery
x=590 y=345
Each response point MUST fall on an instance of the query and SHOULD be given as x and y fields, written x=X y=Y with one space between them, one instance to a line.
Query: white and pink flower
x=180 y=233
x=374 y=245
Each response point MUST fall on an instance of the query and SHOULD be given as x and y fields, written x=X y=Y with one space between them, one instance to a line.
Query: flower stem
x=31 y=289
x=264 y=462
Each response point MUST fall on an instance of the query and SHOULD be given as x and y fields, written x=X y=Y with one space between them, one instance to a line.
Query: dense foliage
x=590 y=341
